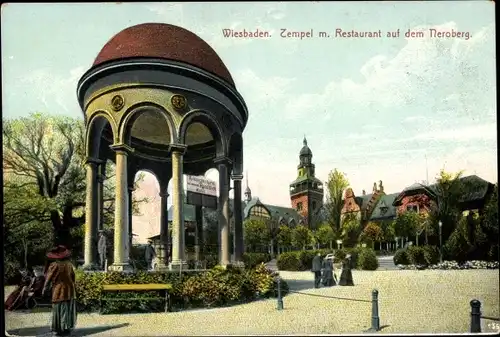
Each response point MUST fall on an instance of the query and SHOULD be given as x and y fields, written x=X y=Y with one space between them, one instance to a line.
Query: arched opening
x=199 y=130
x=149 y=130
x=100 y=134
x=146 y=216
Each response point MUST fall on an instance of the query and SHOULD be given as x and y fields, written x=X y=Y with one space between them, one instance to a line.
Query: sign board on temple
x=201 y=192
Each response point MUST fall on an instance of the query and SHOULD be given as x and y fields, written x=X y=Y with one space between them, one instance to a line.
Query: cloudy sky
x=387 y=109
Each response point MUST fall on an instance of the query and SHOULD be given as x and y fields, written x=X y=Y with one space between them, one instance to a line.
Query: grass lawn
x=409 y=302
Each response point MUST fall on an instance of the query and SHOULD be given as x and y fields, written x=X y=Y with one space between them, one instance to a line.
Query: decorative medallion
x=179 y=102
x=117 y=102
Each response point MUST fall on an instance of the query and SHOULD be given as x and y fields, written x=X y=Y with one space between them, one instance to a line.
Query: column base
x=91 y=267
x=121 y=267
x=238 y=264
x=178 y=265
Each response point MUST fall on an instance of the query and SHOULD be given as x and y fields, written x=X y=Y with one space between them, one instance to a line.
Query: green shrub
x=340 y=255
x=401 y=257
x=305 y=258
x=11 y=272
x=252 y=260
x=431 y=254
x=218 y=286
x=366 y=259
x=416 y=255
x=289 y=261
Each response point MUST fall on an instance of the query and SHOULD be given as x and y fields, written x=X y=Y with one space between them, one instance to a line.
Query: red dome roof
x=158 y=40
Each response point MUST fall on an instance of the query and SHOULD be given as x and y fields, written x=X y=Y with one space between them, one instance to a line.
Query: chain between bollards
x=280 y=299
x=475 y=316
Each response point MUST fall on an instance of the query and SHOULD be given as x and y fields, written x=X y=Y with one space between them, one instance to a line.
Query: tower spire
x=305 y=140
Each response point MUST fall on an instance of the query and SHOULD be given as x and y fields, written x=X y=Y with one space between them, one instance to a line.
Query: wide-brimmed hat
x=59 y=252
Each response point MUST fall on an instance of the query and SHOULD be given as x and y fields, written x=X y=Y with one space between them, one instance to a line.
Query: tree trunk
x=25 y=246
x=304 y=247
x=272 y=248
x=331 y=244
x=426 y=238
x=416 y=239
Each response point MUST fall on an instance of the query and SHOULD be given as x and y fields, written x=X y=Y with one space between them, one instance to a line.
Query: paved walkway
x=426 y=301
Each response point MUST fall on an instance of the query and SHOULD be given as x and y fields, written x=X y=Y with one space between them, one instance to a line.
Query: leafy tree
x=301 y=236
x=371 y=233
x=326 y=235
x=387 y=232
x=273 y=227
x=336 y=184
x=284 y=236
x=406 y=224
x=44 y=162
x=447 y=195
x=489 y=224
x=256 y=233
x=351 y=229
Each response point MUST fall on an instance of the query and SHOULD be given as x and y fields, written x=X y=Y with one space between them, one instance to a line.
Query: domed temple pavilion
x=159 y=98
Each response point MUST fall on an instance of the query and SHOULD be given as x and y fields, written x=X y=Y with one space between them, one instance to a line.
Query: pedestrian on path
x=346 y=275
x=61 y=278
x=316 y=269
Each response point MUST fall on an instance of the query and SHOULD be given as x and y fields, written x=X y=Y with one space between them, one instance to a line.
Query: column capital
x=164 y=194
x=93 y=161
x=131 y=188
x=223 y=160
x=177 y=148
x=122 y=148
x=237 y=177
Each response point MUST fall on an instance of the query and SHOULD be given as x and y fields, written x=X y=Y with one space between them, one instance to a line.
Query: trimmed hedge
x=417 y=255
x=367 y=259
x=216 y=287
x=400 y=257
x=252 y=260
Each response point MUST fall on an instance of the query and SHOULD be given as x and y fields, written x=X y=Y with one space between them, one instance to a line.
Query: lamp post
x=440 y=242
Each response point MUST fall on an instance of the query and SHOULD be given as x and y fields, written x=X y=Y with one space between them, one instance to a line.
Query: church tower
x=248 y=192
x=306 y=192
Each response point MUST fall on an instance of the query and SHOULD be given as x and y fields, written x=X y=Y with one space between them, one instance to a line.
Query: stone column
x=90 y=249
x=198 y=234
x=121 y=237
x=238 y=220
x=178 y=227
x=163 y=253
x=130 y=237
x=101 y=176
x=224 y=254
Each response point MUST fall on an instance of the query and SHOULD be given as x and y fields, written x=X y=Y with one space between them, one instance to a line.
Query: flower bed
x=453 y=265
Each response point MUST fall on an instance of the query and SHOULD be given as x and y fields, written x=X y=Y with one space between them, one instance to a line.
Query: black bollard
x=475 y=316
x=375 y=318
x=280 y=299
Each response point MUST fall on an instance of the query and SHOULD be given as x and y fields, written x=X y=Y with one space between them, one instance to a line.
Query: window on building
x=259 y=211
x=412 y=208
x=314 y=205
x=299 y=206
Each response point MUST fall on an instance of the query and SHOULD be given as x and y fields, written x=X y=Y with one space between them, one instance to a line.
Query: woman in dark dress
x=328 y=279
x=346 y=275
x=61 y=276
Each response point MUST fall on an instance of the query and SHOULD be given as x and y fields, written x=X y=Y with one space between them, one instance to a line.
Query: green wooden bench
x=136 y=287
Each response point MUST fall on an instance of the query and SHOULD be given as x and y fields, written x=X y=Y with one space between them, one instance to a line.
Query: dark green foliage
x=252 y=260
x=216 y=287
x=401 y=257
x=366 y=259
x=416 y=255
x=431 y=254
x=289 y=261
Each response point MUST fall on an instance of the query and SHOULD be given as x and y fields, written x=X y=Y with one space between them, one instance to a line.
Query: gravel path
x=428 y=301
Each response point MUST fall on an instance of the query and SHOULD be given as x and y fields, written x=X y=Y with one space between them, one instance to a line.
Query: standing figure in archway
x=102 y=250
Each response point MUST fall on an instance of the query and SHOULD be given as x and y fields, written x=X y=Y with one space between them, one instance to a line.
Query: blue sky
x=373 y=108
